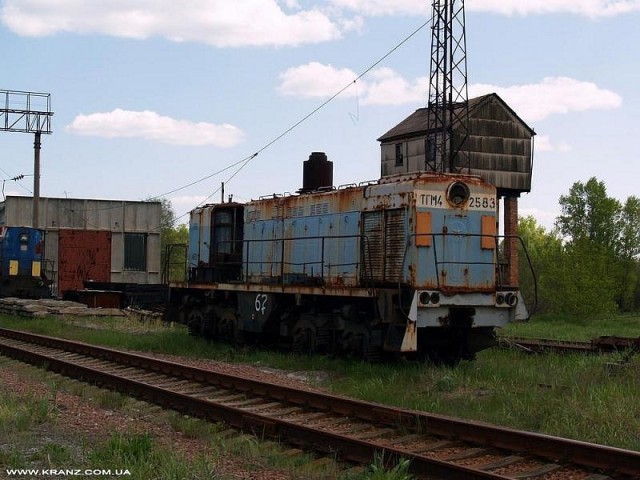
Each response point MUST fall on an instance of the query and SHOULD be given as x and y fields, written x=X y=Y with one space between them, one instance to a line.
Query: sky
x=171 y=98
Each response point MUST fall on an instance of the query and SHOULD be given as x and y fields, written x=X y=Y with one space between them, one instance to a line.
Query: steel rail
x=554 y=448
x=597 y=345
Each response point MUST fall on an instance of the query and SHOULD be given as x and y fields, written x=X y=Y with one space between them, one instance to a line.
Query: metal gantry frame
x=28 y=112
x=446 y=151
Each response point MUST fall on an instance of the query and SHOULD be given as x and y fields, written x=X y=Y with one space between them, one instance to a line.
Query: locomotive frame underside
x=405 y=266
x=357 y=324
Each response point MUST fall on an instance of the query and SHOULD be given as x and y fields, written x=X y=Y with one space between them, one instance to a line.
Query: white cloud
x=315 y=80
x=151 y=126
x=554 y=95
x=589 y=8
x=386 y=87
x=385 y=7
x=220 y=23
x=543 y=143
x=383 y=86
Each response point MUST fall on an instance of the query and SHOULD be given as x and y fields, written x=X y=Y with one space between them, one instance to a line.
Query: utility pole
x=448 y=107
x=28 y=112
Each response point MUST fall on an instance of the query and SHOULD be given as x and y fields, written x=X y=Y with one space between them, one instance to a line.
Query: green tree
x=572 y=277
x=544 y=250
x=588 y=212
x=628 y=254
x=603 y=243
x=174 y=241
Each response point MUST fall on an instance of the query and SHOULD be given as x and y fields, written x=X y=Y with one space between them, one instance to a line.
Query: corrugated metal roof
x=416 y=123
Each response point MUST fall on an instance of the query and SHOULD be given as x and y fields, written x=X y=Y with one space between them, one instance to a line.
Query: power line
x=245 y=161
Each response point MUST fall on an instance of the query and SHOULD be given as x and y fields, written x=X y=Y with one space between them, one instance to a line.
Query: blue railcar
x=22 y=263
x=409 y=264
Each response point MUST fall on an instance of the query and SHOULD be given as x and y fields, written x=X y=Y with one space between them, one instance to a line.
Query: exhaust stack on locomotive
x=317 y=173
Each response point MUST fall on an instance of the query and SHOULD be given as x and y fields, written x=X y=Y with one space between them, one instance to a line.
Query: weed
x=377 y=470
x=12 y=458
x=192 y=427
x=111 y=400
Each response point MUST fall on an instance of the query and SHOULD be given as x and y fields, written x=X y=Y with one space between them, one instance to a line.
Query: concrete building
x=100 y=240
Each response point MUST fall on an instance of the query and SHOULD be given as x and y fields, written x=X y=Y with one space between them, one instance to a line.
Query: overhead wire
x=245 y=161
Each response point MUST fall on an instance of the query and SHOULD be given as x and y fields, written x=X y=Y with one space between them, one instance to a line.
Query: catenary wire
x=245 y=161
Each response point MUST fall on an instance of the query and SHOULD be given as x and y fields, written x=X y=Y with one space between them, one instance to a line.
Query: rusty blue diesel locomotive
x=22 y=263
x=407 y=265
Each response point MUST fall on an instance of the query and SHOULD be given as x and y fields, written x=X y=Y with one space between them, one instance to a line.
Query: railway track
x=437 y=446
x=597 y=345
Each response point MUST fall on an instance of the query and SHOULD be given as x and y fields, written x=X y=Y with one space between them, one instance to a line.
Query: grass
x=18 y=414
x=575 y=396
x=31 y=424
x=576 y=328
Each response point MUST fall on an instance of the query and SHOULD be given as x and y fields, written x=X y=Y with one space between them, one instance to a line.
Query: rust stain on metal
x=83 y=255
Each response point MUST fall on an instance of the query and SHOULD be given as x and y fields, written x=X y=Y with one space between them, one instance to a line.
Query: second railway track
x=437 y=446
x=605 y=344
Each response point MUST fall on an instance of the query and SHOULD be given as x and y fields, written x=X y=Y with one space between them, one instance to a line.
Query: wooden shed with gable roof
x=500 y=145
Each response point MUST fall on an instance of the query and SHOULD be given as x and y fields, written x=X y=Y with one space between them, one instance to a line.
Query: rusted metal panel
x=304 y=238
x=394 y=244
x=373 y=233
x=83 y=255
x=100 y=298
x=385 y=234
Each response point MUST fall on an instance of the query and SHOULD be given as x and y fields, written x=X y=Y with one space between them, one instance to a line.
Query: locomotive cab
x=215 y=246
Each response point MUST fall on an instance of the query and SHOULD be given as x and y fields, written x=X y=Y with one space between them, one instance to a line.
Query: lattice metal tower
x=28 y=112
x=448 y=108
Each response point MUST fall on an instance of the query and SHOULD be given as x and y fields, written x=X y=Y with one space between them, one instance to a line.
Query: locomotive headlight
x=425 y=298
x=506 y=299
x=458 y=194
x=429 y=299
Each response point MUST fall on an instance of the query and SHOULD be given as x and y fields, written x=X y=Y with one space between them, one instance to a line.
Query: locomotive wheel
x=228 y=327
x=303 y=341
x=305 y=336
x=208 y=324
x=357 y=340
x=195 y=320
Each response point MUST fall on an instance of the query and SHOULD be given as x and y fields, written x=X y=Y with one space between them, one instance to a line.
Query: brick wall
x=511 y=244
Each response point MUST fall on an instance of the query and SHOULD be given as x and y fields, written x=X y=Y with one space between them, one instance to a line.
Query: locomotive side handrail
x=362 y=270
x=281 y=263
x=496 y=238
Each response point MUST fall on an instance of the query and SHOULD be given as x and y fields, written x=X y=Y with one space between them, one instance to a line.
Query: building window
x=399 y=156
x=135 y=252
